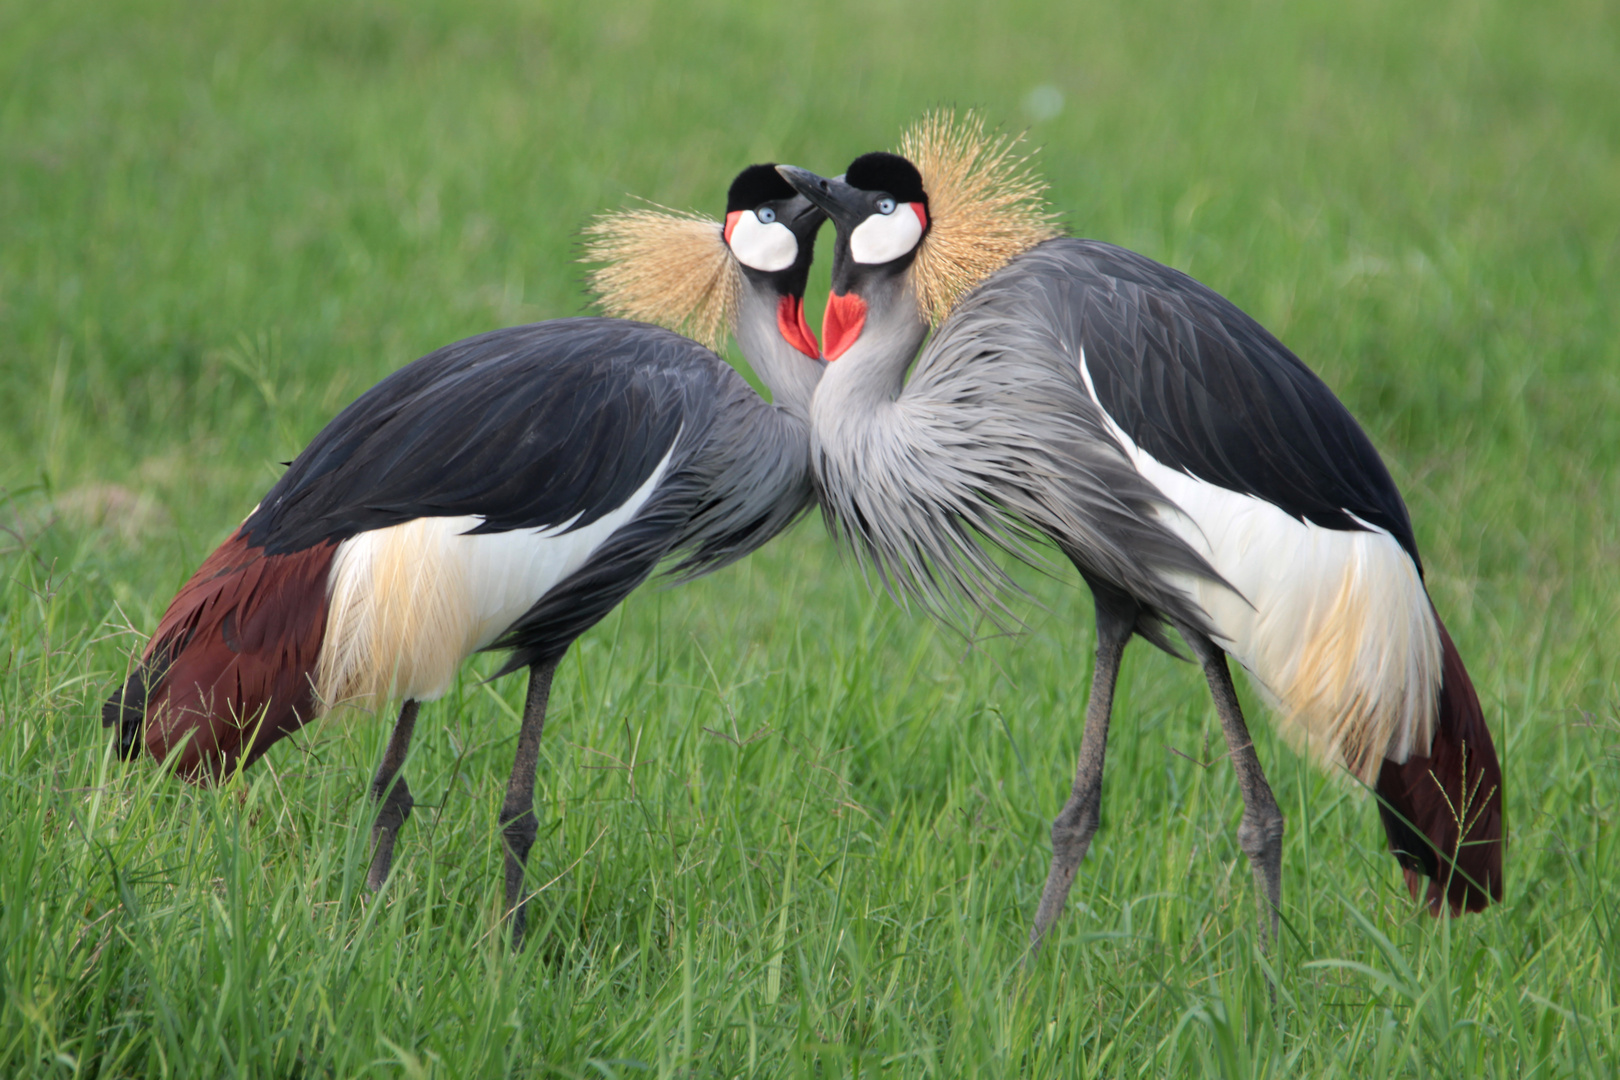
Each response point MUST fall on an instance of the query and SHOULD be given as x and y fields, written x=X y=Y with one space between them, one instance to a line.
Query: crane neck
x=787 y=373
x=871 y=373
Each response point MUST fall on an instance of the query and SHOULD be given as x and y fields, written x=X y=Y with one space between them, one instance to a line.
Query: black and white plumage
x=1192 y=469
x=530 y=478
x=1254 y=466
x=504 y=492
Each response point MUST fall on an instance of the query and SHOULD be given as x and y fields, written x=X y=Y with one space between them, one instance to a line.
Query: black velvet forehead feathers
x=887 y=172
x=757 y=184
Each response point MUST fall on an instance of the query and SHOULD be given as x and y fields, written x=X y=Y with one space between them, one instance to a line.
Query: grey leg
x=390 y=789
x=518 y=823
x=1076 y=823
x=1260 y=832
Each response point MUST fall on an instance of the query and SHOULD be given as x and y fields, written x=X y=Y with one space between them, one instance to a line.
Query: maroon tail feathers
x=229 y=670
x=1430 y=803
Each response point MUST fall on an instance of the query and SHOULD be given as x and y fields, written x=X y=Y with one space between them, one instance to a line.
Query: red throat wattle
x=790 y=321
x=842 y=324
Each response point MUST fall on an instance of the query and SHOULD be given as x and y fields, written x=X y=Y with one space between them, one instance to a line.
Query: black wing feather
x=532 y=426
x=1204 y=388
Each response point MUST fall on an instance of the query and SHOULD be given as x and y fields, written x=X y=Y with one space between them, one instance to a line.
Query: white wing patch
x=763 y=246
x=884 y=238
x=408 y=603
x=1335 y=626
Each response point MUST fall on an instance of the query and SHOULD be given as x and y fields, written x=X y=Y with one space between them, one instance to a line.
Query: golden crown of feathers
x=985 y=205
x=662 y=266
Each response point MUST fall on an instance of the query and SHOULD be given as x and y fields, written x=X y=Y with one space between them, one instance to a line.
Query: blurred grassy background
x=219 y=223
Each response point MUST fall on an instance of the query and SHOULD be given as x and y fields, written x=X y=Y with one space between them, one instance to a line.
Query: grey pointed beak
x=807 y=213
x=846 y=205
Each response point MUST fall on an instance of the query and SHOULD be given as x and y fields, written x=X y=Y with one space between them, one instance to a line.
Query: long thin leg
x=390 y=789
x=1077 y=822
x=1260 y=832
x=518 y=823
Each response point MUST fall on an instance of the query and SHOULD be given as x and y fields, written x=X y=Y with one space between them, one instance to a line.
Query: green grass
x=788 y=829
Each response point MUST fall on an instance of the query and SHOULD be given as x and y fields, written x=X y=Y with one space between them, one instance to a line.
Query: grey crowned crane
x=1194 y=471
x=504 y=492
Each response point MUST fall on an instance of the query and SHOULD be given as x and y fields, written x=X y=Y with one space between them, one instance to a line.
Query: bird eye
x=885 y=205
x=765 y=214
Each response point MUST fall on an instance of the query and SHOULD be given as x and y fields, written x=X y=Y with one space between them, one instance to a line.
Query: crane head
x=692 y=274
x=771 y=232
x=977 y=204
x=881 y=213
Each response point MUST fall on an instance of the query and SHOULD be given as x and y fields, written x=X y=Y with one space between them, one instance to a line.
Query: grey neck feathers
x=889 y=474
x=872 y=372
x=787 y=373
x=993 y=437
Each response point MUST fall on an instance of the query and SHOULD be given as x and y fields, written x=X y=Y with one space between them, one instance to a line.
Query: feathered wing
x=1272 y=481
x=541 y=426
x=527 y=439
x=1275 y=483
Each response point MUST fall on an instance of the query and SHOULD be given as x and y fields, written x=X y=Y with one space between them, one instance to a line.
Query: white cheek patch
x=884 y=238
x=761 y=246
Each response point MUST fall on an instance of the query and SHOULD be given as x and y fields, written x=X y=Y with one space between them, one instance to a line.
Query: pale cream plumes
x=398 y=622
x=985 y=206
x=666 y=267
x=1333 y=624
x=407 y=603
x=1363 y=683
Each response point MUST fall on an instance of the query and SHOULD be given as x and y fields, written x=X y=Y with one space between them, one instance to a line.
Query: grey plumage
x=504 y=492
x=1193 y=470
x=751 y=482
x=738 y=474
x=995 y=436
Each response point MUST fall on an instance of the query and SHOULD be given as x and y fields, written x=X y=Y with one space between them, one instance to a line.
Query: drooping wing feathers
x=1204 y=388
x=1443 y=811
x=550 y=425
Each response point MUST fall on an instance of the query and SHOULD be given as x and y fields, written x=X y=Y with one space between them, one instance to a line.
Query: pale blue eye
x=765 y=214
x=885 y=205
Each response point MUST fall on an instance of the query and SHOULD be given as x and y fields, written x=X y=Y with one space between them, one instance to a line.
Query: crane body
x=424 y=537
x=505 y=492
x=1193 y=470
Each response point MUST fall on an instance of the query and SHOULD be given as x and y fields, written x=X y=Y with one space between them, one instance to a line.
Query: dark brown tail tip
x=126 y=710
x=1443 y=813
